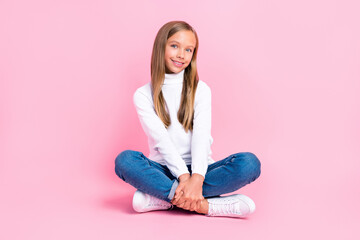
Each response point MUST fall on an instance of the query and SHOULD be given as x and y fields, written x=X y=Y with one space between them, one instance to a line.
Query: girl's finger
x=181 y=205
x=193 y=206
x=186 y=205
x=177 y=197
x=180 y=201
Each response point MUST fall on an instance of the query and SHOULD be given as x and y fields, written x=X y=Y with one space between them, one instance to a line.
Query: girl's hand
x=188 y=194
x=179 y=190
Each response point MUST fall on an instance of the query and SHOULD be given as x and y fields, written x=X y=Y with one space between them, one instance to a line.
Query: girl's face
x=179 y=51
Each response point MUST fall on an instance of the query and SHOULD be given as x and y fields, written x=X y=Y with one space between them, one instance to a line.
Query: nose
x=180 y=54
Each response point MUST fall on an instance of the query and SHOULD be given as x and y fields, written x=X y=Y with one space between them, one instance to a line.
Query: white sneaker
x=143 y=202
x=236 y=205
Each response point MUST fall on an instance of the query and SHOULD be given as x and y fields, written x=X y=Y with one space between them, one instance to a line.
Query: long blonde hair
x=186 y=111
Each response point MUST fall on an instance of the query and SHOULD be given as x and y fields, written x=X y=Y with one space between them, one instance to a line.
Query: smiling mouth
x=177 y=63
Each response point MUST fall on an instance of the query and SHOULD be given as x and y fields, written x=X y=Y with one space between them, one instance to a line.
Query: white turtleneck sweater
x=174 y=147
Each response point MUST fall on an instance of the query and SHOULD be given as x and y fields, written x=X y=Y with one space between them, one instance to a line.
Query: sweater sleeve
x=155 y=129
x=201 y=136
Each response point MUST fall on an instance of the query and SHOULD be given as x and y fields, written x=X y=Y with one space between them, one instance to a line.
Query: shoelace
x=225 y=207
x=157 y=202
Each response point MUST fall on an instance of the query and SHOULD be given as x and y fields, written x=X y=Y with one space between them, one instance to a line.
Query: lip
x=177 y=64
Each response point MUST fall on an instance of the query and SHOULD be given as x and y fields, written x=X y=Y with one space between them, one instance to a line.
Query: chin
x=177 y=71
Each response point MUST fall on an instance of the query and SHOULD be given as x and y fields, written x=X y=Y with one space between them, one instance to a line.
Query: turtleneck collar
x=174 y=78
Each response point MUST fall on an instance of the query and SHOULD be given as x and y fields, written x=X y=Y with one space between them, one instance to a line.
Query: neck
x=174 y=78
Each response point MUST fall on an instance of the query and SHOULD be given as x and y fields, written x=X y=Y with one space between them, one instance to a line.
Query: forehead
x=184 y=37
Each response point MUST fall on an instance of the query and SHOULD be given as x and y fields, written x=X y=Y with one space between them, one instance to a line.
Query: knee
x=249 y=165
x=122 y=157
x=122 y=162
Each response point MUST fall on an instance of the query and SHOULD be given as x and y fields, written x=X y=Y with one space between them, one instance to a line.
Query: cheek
x=169 y=52
x=166 y=54
x=189 y=57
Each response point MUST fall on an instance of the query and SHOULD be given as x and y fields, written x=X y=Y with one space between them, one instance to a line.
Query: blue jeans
x=222 y=177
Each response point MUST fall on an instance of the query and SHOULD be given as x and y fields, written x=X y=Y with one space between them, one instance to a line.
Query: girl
x=174 y=110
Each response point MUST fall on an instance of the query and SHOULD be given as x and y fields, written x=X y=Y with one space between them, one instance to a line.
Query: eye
x=189 y=50
x=173 y=45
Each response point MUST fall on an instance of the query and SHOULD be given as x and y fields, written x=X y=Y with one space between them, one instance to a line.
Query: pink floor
x=73 y=206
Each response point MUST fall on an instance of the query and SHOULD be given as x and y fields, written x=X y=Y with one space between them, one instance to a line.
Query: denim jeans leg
x=146 y=175
x=231 y=173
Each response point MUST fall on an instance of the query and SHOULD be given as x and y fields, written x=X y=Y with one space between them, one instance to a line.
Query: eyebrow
x=179 y=43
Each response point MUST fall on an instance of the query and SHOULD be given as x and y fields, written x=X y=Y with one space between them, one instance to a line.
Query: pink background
x=285 y=80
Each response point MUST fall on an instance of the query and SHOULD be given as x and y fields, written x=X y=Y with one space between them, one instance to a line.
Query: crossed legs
x=224 y=176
